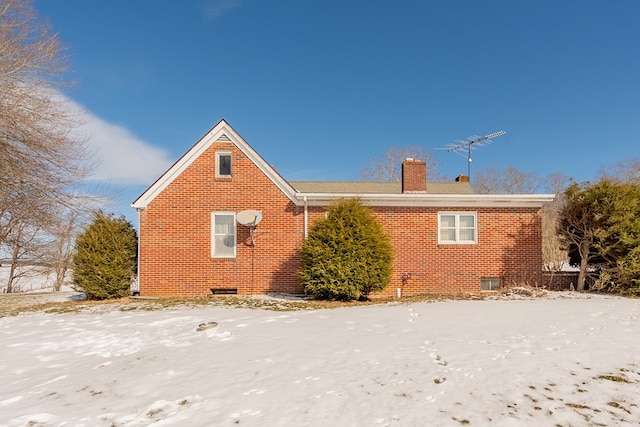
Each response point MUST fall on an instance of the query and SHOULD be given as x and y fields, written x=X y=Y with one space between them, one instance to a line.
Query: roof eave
x=435 y=200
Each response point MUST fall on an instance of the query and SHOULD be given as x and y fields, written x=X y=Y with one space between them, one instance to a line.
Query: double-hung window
x=223 y=235
x=457 y=227
x=223 y=164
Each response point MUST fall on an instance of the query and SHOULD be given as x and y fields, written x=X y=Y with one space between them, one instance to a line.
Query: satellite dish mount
x=250 y=218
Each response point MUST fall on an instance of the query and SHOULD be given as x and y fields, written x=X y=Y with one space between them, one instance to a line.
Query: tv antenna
x=474 y=142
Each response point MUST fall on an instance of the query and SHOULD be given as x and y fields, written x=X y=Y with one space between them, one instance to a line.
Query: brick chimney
x=414 y=176
x=462 y=178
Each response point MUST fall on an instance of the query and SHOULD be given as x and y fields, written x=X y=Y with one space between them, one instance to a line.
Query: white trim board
x=222 y=128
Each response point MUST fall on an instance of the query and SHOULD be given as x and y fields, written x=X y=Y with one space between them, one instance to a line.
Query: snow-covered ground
x=565 y=361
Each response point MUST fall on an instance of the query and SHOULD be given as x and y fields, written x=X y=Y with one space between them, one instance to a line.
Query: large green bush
x=105 y=259
x=600 y=225
x=347 y=254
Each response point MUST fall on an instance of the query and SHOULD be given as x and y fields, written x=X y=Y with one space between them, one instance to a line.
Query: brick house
x=446 y=239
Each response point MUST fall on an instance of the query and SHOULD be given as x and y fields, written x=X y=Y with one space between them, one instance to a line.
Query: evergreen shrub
x=347 y=254
x=105 y=258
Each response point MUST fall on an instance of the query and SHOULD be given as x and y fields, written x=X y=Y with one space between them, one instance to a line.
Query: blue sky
x=319 y=88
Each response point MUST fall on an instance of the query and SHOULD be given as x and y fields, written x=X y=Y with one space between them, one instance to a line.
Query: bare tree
x=40 y=162
x=554 y=254
x=23 y=241
x=388 y=168
x=37 y=152
x=624 y=171
x=507 y=181
x=61 y=248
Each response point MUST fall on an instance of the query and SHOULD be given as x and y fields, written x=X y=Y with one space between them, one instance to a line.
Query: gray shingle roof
x=367 y=187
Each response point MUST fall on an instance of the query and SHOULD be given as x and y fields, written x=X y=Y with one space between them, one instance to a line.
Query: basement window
x=223 y=235
x=457 y=227
x=223 y=164
x=490 y=283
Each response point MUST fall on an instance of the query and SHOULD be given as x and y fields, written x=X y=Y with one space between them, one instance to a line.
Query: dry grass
x=14 y=304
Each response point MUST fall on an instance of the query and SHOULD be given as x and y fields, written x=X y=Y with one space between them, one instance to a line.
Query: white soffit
x=433 y=200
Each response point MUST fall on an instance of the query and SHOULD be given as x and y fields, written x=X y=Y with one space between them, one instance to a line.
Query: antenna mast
x=479 y=141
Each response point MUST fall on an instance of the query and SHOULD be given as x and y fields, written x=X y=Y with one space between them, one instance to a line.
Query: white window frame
x=214 y=234
x=456 y=227
x=220 y=154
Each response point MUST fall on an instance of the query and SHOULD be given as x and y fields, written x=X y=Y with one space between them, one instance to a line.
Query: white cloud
x=122 y=157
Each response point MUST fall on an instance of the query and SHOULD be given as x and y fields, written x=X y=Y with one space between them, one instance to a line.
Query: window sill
x=458 y=243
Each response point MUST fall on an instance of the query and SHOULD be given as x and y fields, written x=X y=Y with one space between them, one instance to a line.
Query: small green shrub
x=634 y=290
x=347 y=254
x=105 y=259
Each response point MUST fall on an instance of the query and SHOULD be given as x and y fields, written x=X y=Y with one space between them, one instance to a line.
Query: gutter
x=431 y=200
x=306 y=218
x=137 y=290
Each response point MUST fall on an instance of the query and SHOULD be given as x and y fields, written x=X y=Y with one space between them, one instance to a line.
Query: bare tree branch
x=388 y=167
x=623 y=171
x=41 y=165
x=507 y=181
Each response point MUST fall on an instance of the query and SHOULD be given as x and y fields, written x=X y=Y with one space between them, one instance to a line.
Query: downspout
x=137 y=290
x=306 y=218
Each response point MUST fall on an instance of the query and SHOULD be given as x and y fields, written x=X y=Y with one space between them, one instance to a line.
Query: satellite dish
x=249 y=218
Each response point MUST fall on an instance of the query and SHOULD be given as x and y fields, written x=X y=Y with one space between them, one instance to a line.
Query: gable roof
x=321 y=193
x=221 y=131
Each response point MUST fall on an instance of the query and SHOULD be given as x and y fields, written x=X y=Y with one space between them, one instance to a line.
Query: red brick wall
x=509 y=247
x=175 y=232
x=175 y=239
